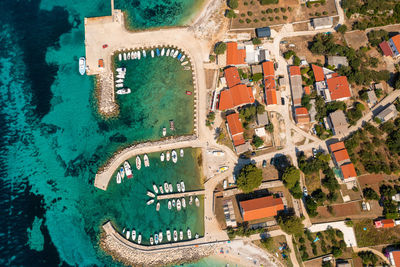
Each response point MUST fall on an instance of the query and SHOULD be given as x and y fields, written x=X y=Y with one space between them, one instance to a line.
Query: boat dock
x=180 y=195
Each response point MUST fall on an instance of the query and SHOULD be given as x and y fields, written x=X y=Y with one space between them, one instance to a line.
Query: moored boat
x=138 y=163
x=122 y=172
x=121 y=70
x=158 y=206
x=124 y=56
x=181 y=153
x=152 y=53
x=171 y=189
x=146 y=160
x=178 y=205
x=118 y=178
x=151 y=201
x=139 y=240
x=168 y=235
x=184 y=63
x=119 y=81
x=156 y=239
x=190 y=200
x=128 y=56
x=144 y=53
x=82 y=65
x=181 y=235
x=155 y=188
x=176 y=53
x=183 y=186
x=162 y=52
x=178 y=186
x=128 y=170
x=196 y=235
x=128 y=234
x=138 y=55
x=197 y=201
x=174 y=156
x=172 y=52
x=123 y=231
x=164 y=131
x=166 y=187
x=150 y=194
x=175 y=235
x=133 y=234
x=179 y=56
x=168 y=155
x=183 y=202
x=171 y=125
x=160 y=236
x=151 y=240
x=189 y=233
x=188 y=92
x=169 y=204
x=173 y=203
x=124 y=91
x=161 y=189
x=183 y=58
x=162 y=156
x=121 y=76
x=119 y=85
x=158 y=52
x=167 y=54
x=119 y=57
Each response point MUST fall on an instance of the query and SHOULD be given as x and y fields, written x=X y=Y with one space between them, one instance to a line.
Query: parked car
x=264 y=163
x=305 y=192
x=283 y=100
x=314 y=152
x=253 y=153
x=105 y=45
x=225 y=184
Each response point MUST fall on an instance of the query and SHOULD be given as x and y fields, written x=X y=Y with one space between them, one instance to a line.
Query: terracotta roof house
x=339 y=88
x=341 y=156
x=232 y=76
x=388 y=223
x=394 y=258
x=348 y=171
x=235 y=56
x=296 y=85
x=307 y=90
x=236 y=96
x=394 y=44
x=269 y=83
x=338 y=122
x=386 y=49
x=337 y=146
x=259 y=208
x=235 y=129
x=318 y=73
x=302 y=116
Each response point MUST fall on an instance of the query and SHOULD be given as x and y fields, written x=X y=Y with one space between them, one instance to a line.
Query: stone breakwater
x=134 y=257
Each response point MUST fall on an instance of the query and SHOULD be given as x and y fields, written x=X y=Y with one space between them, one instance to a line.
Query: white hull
x=178 y=186
x=169 y=204
x=128 y=57
x=189 y=234
x=183 y=202
x=181 y=153
x=183 y=58
x=155 y=188
x=168 y=235
x=119 y=85
x=138 y=163
x=168 y=156
x=128 y=170
x=119 y=81
x=181 y=235
x=146 y=161
x=152 y=53
x=133 y=234
x=120 y=57
x=151 y=240
x=156 y=239
x=121 y=70
x=128 y=234
x=139 y=240
x=166 y=188
x=138 y=55
x=151 y=201
x=172 y=52
x=184 y=63
x=144 y=53
x=171 y=189
x=124 y=91
x=160 y=236
x=133 y=55
x=162 y=52
x=164 y=132
x=190 y=200
x=175 y=235
x=178 y=205
x=182 y=186
x=162 y=157
x=158 y=206
x=174 y=156
x=118 y=178
x=121 y=76
x=161 y=189
x=124 y=56
x=167 y=54
x=175 y=54
x=150 y=194
x=82 y=65
x=197 y=201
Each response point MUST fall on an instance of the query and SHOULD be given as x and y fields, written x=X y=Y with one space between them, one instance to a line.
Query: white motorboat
x=160 y=236
x=183 y=202
x=169 y=204
x=175 y=235
x=168 y=235
x=183 y=58
x=162 y=156
x=189 y=233
x=172 y=52
x=122 y=172
x=197 y=201
x=119 y=81
x=164 y=131
x=196 y=236
x=183 y=186
x=118 y=178
x=158 y=206
x=138 y=163
x=180 y=235
x=184 y=63
x=174 y=156
x=181 y=153
x=146 y=160
x=151 y=240
x=128 y=234
x=171 y=189
x=162 y=52
x=168 y=155
x=155 y=188
x=123 y=231
x=178 y=186
x=133 y=55
x=138 y=55
x=173 y=203
x=166 y=187
x=128 y=56
x=124 y=56
x=82 y=65
x=119 y=85
x=156 y=239
x=128 y=170
x=121 y=76
x=151 y=201
x=121 y=70
x=176 y=54
x=119 y=57
x=152 y=53
x=133 y=234
x=124 y=91
x=167 y=54
x=139 y=239
x=178 y=205
x=150 y=194
x=190 y=200
x=161 y=189
x=144 y=53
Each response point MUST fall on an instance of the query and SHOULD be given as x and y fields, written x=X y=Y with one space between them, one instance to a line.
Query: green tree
x=260 y=109
x=342 y=29
x=257 y=77
x=230 y=14
x=233 y=4
x=290 y=224
x=269 y=128
x=368 y=257
x=296 y=61
x=305 y=101
x=291 y=176
x=257 y=141
x=370 y=194
x=256 y=41
x=249 y=178
x=220 y=48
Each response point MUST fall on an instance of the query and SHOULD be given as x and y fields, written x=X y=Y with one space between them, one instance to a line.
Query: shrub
x=230 y=14
x=255 y=20
x=257 y=141
x=249 y=13
x=243 y=15
x=256 y=41
x=285 y=17
x=233 y=4
x=220 y=48
x=269 y=10
x=283 y=9
x=270 y=18
x=241 y=21
x=325 y=13
x=276 y=10
x=290 y=9
x=268 y=2
x=212 y=59
x=248 y=21
x=263 y=19
x=277 y=18
x=249 y=178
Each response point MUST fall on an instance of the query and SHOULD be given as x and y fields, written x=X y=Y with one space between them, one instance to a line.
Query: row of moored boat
x=119 y=82
x=158 y=238
x=168 y=155
x=126 y=169
x=165 y=51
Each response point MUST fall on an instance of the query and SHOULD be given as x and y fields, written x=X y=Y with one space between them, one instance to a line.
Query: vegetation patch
x=367 y=235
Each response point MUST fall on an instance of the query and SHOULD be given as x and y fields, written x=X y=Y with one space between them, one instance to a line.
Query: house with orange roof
x=236 y=96
x=235 y=56
x=339 y=88
x=232 y=76
x=307 y=90
x=348 y=172
x=260 y=208
x=394 y=257
x=269 y=83
x=301 y=115
x=341 y=156
x=343 y=162
x=236 y=131
x=296 y=85
x=394 y=44
x=336 y=146
x=318 y=73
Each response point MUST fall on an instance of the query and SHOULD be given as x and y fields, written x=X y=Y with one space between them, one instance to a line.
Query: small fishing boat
x=150 y=194
x=155 y=188
x=184 y=63
x=119 y=81
x=156 y=239
x=128 y=170
x=162 y=52
x=152 y=53
x=124 y=91
x=169 y=204
x=196 y=236
x=183 y=186
x=183 y=202
x=122 y=172
x=133 y=55
x=186 y=68
x=189 y=233
x=139 y=239
x=175 y=54
x=178 y=186
x=173 y=203
x=123 y=231
x=167 y=54
x=121 y=76
x=128 y=56
x=118 y=178
x=119 y=57
x=175 y=235
x=168 y=235
x=119 y=85
x=172 y=52
x=133 y=234
x=179 y=56
x=166 y=187
x=181 y=235
x=151 y=201
x=188 y=92
x=146 y=160
x=158 y=206
x=138 y=163
x=171 y=125
x=124 y=56
x=178 y=205
x=151 y=240
x=162 y=156
x=168 y=156
x=128 y=234
x=174 y=156
x=119 y=70
x=138 y=55
x=160 y=236
x=171 y=189
x=181 y=153
x=197 y=201
x=183 y=58
x=164 y=131
x=161 y=189
x=144 y=53
x=158 y=52
x=190 y=200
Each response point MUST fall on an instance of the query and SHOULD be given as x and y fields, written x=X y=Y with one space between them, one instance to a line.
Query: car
x=283 y=100
x=314 y=152
x=305 y=192
x=314 y=131
x=264 y=163
x=253 y=153
x=225 y=184
x=105 y=45
x=283 y=42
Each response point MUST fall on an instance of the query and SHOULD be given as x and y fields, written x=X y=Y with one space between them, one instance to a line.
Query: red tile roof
x=337 y=146
x=270 y=97
x=236 y=96
x=396 y=41
x=339 y=88
x=348 y=170
x=268 y=68
x=269 y=83
x=396 y=258
x=318 y=73
x=294 y=70
x=302 y=115
x=235 y=56
x=259 y=208
x=341 y=155
x=232 y=76
x=307 y=90
x=386 y=49
x=388 y=223
x=301 y=111
x=235 y=128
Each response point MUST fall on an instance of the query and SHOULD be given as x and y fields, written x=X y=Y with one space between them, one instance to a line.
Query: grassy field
x=278 y=242
x=372 y=236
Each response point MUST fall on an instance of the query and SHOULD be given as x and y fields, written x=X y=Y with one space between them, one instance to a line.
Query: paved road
x=376 y=252
x=348 y=232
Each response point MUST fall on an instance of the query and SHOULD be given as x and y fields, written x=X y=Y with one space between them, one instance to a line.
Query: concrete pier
x=180 y=195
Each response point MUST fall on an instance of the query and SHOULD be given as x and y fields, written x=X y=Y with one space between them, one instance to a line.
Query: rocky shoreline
x=133 y=257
